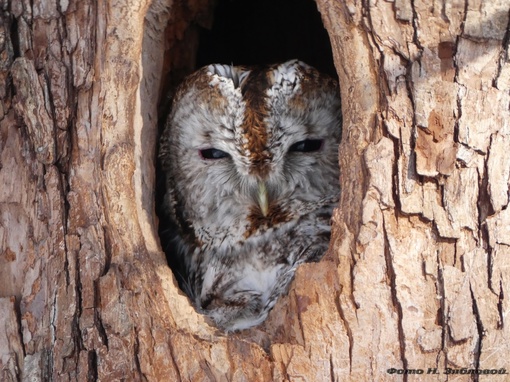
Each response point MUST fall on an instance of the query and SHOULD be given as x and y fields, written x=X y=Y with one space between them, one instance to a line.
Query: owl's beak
x=262 y=198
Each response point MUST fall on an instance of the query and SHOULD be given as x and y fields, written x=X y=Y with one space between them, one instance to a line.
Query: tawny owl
x=250 y=157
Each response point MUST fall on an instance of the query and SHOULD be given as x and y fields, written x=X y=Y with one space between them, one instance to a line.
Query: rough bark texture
x=416 y=277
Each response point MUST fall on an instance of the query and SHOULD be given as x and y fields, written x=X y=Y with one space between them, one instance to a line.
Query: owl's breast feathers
x=258 y=221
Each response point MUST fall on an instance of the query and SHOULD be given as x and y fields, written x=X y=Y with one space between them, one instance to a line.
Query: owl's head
x=248 y=150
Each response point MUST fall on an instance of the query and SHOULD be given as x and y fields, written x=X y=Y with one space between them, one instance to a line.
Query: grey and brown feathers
x=251 y=161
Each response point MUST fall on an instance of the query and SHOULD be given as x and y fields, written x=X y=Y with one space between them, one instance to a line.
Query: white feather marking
x=235 y=73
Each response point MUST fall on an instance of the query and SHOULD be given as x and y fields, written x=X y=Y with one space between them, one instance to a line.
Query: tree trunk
x=415 y=280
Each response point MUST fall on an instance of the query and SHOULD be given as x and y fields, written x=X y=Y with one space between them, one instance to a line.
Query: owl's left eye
x=213 y=154
x=306 y=146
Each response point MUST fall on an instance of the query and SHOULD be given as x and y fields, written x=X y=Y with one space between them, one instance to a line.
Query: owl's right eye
x=213 y=154
x=307 y=146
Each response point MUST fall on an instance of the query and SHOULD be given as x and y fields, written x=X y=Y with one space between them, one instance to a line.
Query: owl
x=250 y=157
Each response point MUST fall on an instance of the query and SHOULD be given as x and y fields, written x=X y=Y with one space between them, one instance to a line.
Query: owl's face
x=251 y=159
x=251 y=150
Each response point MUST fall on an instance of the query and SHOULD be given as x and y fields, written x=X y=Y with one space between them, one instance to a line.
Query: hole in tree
x=248 y=32
x=265 y=32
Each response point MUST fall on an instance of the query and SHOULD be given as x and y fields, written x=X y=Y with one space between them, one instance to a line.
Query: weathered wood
x=424 y=285
x=11 y=351
x=416 y=276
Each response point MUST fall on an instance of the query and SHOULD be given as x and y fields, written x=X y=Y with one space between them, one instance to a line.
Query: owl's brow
x=254 y=128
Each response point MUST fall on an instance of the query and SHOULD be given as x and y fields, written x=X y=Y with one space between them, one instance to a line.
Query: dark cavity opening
x=265 y=32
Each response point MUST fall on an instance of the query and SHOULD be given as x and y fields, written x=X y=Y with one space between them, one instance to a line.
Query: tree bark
x=415 y=279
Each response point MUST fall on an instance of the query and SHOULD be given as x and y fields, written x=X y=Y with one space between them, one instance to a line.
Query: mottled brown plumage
x=251 y=161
